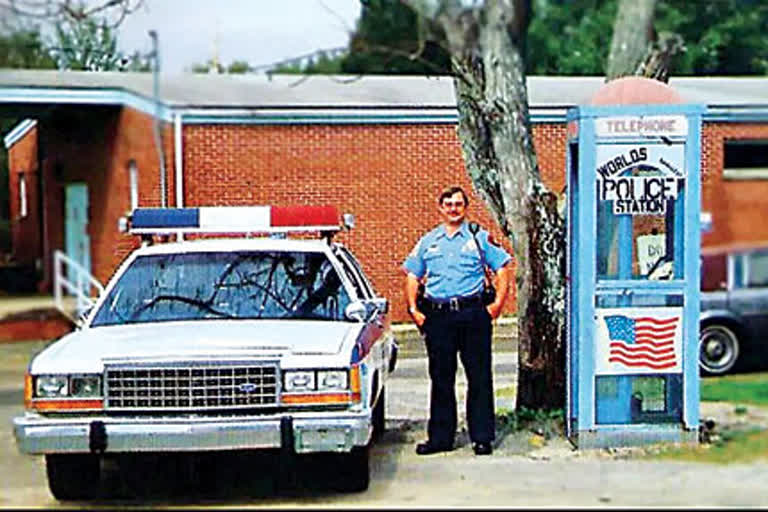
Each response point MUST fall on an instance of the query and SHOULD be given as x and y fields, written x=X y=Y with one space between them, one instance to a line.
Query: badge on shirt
x=470 y=246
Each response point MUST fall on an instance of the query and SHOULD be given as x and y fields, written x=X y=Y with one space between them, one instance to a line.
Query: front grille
x=191 y=387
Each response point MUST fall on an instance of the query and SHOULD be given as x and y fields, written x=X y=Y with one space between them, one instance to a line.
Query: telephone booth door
x=633 y=273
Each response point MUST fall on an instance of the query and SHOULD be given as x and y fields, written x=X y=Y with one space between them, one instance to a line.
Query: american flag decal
x=642 y=342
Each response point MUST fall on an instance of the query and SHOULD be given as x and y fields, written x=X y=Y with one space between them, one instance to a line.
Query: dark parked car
x=734 y=309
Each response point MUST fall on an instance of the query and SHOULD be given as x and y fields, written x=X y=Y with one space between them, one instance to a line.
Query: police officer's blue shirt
x=452 y=264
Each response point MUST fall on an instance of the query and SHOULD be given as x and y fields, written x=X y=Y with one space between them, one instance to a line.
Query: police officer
x=455 y=318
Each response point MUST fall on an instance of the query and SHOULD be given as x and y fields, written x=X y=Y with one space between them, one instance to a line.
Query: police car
x=245 y=342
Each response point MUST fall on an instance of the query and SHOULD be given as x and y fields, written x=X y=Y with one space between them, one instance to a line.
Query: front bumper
x=307 y=432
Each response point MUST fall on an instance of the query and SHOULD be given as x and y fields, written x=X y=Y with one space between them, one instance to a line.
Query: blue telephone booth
x=633 y=274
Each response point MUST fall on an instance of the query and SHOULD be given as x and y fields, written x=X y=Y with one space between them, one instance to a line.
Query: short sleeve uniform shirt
x=452 y=264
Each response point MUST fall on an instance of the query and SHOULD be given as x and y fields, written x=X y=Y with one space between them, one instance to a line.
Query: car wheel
x=354 y=473
x=73 y=476
x=378 y=417
x=718 y=349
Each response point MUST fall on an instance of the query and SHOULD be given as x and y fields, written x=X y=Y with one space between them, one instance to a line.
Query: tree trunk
x=495 y=133
x=632 y=35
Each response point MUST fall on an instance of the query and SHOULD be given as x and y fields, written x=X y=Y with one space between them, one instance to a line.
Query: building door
x=76 y=240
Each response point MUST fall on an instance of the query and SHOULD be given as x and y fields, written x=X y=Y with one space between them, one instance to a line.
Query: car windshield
x=215 y=285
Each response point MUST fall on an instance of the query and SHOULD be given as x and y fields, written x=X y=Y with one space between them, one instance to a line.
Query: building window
x=22 y=195
x=133 y=176
x=745 y=159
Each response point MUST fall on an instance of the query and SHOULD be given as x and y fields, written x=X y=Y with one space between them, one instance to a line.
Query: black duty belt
x=453 y=304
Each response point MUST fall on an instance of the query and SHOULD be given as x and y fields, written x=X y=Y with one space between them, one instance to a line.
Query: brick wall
x=738 y=207
x=389 y=176
x=25 y=231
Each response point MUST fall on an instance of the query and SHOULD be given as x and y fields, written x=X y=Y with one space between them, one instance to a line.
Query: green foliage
x=24 y=49
x=573 y=37
x=322 y=63
x=727 y=37
x=569 y=37
x=86 y=44
x=545 y=422
x=387 y=41
x=731 y=448
x=207 y=67
x=748 y=388
x=237 y=67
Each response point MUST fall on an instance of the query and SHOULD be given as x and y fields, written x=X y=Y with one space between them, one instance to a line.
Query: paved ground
x=526 y=470
x=10 y=304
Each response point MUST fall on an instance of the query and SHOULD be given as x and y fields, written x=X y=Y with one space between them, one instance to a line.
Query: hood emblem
x=247 y=387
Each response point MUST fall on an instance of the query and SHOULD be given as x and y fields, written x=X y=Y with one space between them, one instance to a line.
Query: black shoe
x=427 y=448
x=483 y=448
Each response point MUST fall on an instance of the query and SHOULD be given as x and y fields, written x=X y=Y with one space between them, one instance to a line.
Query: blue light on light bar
x=172 y=218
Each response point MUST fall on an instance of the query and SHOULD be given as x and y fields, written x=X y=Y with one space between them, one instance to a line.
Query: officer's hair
x=449 y=191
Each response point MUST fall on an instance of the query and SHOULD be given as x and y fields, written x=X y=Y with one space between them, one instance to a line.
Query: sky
x=260 y=32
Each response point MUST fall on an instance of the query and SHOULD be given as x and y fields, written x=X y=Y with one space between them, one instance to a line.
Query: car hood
x=88 y=349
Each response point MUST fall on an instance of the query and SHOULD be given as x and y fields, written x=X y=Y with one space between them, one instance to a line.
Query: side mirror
x=357 y=311
x=381 y=304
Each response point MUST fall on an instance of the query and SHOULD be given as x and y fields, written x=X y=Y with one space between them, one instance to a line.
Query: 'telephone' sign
x=641 y=126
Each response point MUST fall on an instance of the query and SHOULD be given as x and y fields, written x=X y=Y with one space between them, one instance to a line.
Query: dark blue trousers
x=468 y=333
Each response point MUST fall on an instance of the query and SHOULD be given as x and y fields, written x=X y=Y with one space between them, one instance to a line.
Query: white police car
x=217 y=344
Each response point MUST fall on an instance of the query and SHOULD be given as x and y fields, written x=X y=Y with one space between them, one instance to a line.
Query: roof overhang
x=235 y=99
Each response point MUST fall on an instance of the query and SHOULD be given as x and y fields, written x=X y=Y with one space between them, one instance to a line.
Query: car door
x=748 y=295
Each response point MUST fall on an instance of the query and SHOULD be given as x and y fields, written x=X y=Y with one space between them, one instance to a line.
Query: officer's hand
x=418 y=318
x=494 y=310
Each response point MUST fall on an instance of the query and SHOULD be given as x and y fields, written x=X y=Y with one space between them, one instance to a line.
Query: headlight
x=67 y=386
x=51 y=386
x=86 y=386
x=331 y=380
x=299 y=381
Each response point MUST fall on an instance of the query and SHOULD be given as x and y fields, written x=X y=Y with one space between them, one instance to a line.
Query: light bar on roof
x=235 y=219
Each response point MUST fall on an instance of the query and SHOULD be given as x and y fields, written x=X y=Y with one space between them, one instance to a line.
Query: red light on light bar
x=281 y=216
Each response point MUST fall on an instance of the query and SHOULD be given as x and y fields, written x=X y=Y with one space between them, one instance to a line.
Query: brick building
x=379 y=147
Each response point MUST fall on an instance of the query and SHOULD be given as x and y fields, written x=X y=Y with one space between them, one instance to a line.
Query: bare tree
x=113 y=12
x=486 y=40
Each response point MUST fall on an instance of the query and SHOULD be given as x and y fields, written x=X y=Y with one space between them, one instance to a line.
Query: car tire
x=73 y=476
x=354 y=474
x=378 y=416
x=718 y=349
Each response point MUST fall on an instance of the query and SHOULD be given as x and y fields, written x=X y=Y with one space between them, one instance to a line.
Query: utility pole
x=157 y=124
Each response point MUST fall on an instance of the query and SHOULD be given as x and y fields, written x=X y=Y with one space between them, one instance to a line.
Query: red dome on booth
x=635 y=90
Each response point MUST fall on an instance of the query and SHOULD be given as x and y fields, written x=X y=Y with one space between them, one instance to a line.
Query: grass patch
x=544 y=422
x=507 y=392
x=728 y=445
x=749 y=388
x=733 y=447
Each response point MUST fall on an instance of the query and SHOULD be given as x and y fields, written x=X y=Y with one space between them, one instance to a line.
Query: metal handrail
x=61 y=283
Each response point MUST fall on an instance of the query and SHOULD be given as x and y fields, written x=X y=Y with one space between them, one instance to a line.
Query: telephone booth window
x=639 y=214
